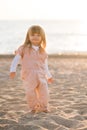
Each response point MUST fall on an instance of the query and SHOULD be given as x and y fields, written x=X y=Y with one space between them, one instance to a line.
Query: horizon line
x=40 y=19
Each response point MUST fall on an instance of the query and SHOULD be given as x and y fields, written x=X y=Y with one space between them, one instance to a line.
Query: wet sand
x=68 y=97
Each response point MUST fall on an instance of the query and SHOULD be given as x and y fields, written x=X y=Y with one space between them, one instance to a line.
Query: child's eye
x=38 y=34
x=32 y=35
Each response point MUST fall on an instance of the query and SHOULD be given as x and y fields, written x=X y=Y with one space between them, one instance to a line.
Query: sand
x=68 y=97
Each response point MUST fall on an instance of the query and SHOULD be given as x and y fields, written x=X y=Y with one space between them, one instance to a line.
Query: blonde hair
x=35 y=29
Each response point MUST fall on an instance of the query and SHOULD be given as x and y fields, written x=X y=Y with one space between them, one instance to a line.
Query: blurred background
x=64 y=21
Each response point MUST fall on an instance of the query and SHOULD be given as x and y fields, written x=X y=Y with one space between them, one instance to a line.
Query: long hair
x=35 y=29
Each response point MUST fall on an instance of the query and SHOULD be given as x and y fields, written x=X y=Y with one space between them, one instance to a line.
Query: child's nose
x=35 y=37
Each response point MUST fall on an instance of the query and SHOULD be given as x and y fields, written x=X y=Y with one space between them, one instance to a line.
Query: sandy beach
x=68 y=97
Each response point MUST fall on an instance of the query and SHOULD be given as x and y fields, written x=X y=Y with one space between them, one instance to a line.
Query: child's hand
x=12 y=74
x=50 y=80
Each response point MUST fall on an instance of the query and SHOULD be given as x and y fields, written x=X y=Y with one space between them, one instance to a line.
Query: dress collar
x=36 y=48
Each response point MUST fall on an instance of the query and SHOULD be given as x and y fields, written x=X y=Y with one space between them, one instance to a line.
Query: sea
x=62 y=36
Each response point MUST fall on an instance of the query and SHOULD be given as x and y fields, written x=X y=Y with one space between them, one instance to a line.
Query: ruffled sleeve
x=19 y=51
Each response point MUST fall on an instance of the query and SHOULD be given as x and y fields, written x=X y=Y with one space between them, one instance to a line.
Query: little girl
x=34 y=69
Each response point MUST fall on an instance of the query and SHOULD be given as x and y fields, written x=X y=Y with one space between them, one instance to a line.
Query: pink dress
x=33 y=74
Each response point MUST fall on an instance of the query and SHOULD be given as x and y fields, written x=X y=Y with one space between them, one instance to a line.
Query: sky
x=43 y=9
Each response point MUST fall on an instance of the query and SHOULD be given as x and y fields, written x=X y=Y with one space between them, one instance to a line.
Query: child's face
x=35 y=39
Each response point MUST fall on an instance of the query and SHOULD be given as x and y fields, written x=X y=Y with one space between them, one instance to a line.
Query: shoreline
x=59 y=55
